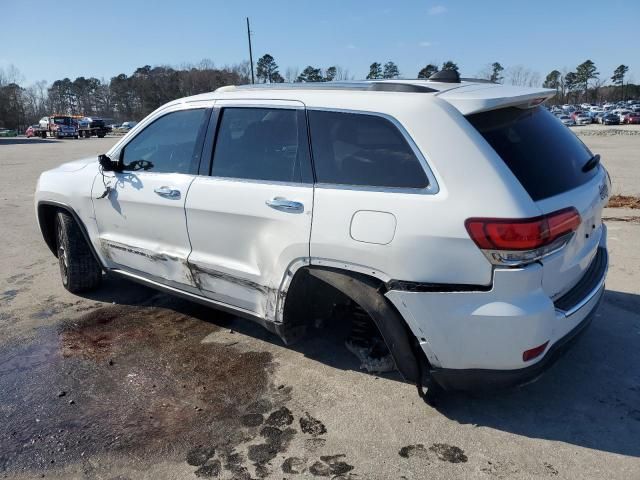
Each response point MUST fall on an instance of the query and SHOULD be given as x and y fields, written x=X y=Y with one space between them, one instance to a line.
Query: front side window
x=260 y=144
x=361 y=149
x=167 y=145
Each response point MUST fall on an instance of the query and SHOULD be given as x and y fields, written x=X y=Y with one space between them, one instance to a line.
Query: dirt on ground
x=129 y=383
x=624 y=201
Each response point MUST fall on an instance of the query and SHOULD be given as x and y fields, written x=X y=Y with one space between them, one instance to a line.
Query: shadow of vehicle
x=121 y=292
x=23 y=140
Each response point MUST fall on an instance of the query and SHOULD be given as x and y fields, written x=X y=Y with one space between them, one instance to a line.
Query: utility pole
x=250 y=52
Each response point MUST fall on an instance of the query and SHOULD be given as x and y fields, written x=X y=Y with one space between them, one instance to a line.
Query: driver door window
x=167 y=145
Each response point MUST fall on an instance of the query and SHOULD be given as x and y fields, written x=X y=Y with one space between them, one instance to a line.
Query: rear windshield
x=543 y=154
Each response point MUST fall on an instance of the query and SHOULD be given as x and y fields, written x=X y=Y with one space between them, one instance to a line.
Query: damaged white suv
x=458 y=217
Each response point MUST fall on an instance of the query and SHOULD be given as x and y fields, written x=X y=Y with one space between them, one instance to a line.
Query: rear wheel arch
x=368 y=292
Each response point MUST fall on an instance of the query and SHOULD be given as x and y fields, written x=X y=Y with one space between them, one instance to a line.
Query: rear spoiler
x=474 y=98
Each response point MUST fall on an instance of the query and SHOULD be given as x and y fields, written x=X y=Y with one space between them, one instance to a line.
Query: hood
x=76 y=164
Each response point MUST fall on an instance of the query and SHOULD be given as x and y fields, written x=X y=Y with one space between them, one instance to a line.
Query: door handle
x=284 y=205
x=168 y=192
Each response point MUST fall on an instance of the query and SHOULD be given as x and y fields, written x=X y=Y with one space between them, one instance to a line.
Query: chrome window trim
x=431 y=189
x=258 y=103
x=258 y=181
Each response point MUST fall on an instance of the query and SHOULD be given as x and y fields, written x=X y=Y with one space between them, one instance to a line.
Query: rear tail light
x=520 y=241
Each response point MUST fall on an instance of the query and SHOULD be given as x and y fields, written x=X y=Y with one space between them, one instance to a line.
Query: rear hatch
x=549 y=161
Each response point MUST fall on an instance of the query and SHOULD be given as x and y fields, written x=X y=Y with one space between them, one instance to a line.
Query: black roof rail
x=372 y=86
x=478 y=80
x=445 y=76
x=399 y=87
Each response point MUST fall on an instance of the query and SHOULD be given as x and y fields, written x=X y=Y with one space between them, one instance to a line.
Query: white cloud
x=437 y=10
x=425 y=44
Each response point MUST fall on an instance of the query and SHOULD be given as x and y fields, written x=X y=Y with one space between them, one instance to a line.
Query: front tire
x=79 y=270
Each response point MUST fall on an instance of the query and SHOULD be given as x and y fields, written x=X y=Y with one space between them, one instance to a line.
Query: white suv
x=463 y=218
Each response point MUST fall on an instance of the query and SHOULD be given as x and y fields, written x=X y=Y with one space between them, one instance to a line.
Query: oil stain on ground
x=137 y=381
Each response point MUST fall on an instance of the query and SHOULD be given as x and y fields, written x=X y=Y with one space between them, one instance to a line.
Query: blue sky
x=106 y=38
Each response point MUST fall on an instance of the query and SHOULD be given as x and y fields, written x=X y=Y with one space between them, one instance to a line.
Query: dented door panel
x=141 y=230
x=242 y=247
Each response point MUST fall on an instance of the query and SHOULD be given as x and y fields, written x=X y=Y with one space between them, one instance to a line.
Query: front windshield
x=62 y=120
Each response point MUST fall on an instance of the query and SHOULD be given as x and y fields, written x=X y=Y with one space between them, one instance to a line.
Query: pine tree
x=390 y=70
x=375 y=71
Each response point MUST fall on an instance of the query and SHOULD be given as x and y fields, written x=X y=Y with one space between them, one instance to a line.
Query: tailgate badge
x=604 y=191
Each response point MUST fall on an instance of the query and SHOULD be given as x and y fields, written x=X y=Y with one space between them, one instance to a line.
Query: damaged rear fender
x=366 y=292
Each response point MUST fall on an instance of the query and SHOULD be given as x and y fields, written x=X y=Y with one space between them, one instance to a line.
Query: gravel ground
x=619 y=146
x=128 y=383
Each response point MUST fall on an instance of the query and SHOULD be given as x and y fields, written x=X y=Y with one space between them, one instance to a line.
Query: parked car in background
x=575 y=114
x=128 y=125
x=567 y=120
x=632 y=118
x=622 y=114
x=32 y=131
x=582 y=118
x=92 y=127
x=6 y=132
x=610 y=119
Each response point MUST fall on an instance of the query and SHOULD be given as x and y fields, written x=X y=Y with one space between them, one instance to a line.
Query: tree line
x=585 y=84
x=123 y=97
x=132 y=97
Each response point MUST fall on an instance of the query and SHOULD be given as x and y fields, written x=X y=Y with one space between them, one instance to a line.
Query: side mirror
x=107 y=164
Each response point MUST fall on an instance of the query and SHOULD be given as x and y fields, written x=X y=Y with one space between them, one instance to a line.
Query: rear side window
x=360 y=149
x=261 y=144
x=543 y=154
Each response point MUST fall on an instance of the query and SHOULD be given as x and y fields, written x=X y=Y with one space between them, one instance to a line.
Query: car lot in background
x=611 y=113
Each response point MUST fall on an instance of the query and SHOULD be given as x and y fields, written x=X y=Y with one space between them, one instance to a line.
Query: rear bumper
x=485 y=379
x=475 y=340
